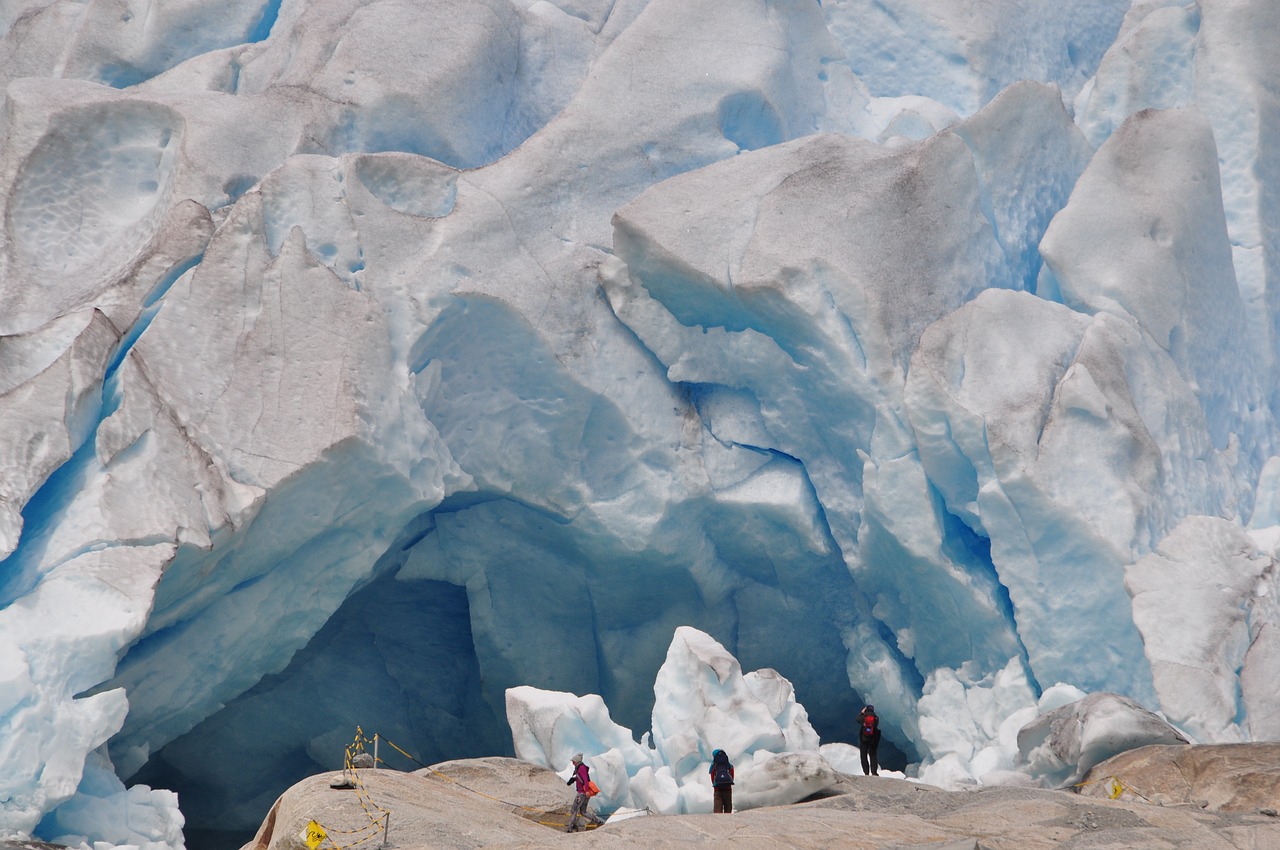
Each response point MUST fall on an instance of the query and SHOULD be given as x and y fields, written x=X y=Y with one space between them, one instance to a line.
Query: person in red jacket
x=721 y=783
x=869 y=740
x=580 y=777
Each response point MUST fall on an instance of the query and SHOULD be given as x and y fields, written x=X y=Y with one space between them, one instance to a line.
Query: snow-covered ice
x=703 y=702
x=363 y=363
x=1061 y=745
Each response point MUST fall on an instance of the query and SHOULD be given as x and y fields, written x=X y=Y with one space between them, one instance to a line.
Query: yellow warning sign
x=312 y=834
x=1114 y=788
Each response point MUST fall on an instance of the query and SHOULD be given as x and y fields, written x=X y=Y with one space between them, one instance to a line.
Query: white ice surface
x=1061 y=745
x=702 y=703
x=1200 y=600
x=104 y=811
x=904 y=347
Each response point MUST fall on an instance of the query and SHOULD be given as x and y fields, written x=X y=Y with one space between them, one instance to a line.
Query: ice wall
x=917 y=350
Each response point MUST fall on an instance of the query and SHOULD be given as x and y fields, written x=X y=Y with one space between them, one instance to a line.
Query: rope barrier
x=362 y=795
x=459 y=784
x=316 y=834
x=393 y=745
x=1114 y=787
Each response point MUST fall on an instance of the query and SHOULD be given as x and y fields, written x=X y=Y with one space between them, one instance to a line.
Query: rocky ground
x=1217 y=777
x=505 y=803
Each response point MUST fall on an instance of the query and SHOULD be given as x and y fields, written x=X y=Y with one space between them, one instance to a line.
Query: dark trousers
x=722 y=799
x=581 y=809
x=867 y=752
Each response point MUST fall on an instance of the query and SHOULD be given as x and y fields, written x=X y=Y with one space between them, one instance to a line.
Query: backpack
x=870 y=723
x=723 y=774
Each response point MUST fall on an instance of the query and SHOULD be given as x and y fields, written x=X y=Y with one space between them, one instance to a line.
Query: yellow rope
x=376 y=822
x=1115 y=787
x=456 y=782
x=362 y=794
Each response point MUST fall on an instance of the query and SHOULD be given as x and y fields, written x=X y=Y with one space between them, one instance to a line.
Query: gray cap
x=577 y=758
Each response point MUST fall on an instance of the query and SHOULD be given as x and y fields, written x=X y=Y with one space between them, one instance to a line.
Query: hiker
x=721 y=783
x=582 y=777
x=869 y=740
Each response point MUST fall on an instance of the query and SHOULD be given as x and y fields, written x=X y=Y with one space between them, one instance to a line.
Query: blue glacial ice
x=361 y=362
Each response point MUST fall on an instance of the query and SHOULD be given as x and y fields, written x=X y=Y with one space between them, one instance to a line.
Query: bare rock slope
x=506 y=803
x=1218 y=777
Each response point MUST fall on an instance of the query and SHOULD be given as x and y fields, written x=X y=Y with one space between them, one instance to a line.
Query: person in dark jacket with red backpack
x=869 y=740
x=721 y=783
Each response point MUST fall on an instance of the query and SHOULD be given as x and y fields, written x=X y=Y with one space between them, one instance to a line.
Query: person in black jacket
x=721 y=783
x=869 y=740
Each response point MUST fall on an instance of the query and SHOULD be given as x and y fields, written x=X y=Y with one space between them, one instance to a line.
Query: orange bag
x=592 y=788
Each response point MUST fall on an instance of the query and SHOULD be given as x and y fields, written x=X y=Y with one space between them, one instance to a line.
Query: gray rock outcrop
x=500 y=802
x=1216 y=777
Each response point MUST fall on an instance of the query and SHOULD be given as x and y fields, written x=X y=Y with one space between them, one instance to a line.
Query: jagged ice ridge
x=362 y=360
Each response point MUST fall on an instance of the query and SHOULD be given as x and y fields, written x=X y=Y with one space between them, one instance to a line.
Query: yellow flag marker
x=313 y=834
x=1113 y=786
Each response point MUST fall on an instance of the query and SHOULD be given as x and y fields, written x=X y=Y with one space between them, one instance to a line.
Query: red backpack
x=870 y=723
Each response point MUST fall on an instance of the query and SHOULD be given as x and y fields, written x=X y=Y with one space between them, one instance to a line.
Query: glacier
x=703 y=703
x=360 y=361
